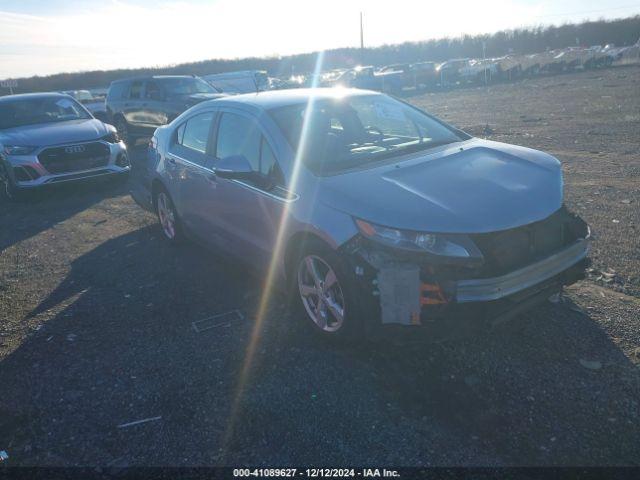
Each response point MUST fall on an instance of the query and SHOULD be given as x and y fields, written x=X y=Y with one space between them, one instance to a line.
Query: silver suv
x=50 y=138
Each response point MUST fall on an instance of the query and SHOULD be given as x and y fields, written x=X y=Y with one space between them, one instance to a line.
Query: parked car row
x=396 y=77
x=511 y=67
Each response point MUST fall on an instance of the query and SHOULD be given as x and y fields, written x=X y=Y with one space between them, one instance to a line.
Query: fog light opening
x=122 y=160
x=432 y=294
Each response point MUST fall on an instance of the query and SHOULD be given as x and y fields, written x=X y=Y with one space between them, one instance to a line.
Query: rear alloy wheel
x=168 y=217
x=321 y=294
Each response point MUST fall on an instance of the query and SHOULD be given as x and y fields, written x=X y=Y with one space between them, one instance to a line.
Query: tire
x=341 y=296
x=9 y=189
x=124 y=132
x=168 y=219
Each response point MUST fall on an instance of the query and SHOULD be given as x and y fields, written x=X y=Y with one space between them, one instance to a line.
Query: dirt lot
x=96 y=330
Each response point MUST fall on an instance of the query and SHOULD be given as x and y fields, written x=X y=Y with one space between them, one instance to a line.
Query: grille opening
x=509 y=250
x=71 y=158
x=122 y=160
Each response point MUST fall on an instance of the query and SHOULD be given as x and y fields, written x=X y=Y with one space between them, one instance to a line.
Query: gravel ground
x=96 y=331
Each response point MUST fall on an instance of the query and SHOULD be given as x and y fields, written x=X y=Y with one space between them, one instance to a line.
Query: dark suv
x=137 y=106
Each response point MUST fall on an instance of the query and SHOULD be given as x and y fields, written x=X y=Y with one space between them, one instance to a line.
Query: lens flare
x=275 y=264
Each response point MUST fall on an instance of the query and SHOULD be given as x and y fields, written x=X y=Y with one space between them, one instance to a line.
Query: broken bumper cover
x=416 y=292
x=489 y=289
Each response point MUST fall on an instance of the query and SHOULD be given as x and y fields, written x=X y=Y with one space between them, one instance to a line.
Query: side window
x=180 y=133
x=268 y=164
x=117 y=91
x=238 y=135
x=152 y=92
x=136 y=90
x=194 y=133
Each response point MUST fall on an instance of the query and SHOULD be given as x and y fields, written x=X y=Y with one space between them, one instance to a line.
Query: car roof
x=28 y=96
x=282 y=98
x=149 y=77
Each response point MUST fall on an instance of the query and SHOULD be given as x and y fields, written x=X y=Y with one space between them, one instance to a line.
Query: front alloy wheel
x=321 y=293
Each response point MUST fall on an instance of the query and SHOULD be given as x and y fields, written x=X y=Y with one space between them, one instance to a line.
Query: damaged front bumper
x=412 y=290
x=488 y=289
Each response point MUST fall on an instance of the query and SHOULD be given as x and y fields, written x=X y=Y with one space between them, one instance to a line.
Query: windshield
x=353 y=131
x=186 y=86
x=81 y=95
x=31 y=111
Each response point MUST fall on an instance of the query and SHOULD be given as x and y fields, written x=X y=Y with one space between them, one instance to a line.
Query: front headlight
x=112 y=137
x=18 y=150
x=433 y=243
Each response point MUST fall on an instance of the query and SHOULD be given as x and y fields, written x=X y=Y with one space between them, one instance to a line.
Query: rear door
x=189 y=155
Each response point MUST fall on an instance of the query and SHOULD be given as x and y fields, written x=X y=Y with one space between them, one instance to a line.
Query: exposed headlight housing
x=18 y=150
x=433 y=243
x=112 y=137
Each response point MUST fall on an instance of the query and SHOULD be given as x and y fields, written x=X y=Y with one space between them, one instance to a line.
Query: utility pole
x=361 y=33
x=484 y=61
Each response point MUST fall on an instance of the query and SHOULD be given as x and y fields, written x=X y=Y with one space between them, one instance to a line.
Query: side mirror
x=237 y=167
x=234 y=167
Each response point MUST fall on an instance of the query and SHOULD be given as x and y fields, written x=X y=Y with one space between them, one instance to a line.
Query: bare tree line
x=624 y=31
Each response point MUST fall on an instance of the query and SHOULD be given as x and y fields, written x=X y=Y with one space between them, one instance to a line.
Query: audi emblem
x=74 y=149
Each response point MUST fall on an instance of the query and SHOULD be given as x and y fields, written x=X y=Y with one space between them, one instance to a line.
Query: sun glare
x=275 y=265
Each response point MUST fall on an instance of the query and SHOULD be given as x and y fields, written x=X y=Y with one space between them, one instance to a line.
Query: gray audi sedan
x=50 y=138
x=369 y=210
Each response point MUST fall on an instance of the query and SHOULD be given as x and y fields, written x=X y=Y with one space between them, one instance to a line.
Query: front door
x=248 y=212
x=133 y=112
x=155 y=105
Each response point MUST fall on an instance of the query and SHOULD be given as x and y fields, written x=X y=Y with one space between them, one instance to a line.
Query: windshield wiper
x=421 y=146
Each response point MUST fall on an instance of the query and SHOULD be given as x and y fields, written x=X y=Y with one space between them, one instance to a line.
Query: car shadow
x=118 y=346
x=42 y=209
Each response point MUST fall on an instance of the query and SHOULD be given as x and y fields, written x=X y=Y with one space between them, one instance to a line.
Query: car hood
x=474 y=186
x=58 y=133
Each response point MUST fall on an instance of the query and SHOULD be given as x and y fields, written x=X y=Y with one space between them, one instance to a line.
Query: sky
x=52 y=36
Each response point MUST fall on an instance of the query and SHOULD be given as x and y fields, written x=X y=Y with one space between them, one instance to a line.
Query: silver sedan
x=369 y=210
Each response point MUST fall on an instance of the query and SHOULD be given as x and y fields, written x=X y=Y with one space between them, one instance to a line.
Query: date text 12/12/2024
x=315 y=472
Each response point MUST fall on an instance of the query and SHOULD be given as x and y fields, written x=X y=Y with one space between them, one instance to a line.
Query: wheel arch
x=156 y=186
x=297 y=244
